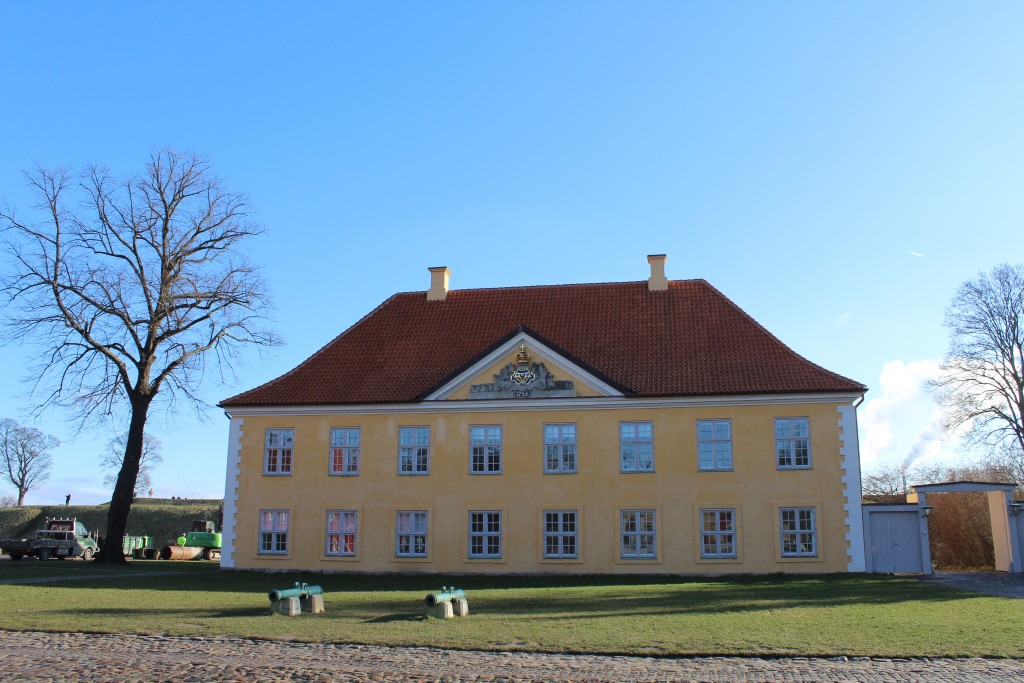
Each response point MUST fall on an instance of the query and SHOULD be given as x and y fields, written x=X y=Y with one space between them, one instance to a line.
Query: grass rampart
x=162 y=518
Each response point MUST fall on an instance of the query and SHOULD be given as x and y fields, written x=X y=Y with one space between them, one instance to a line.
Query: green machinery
x=200 y=543
x=139 y=547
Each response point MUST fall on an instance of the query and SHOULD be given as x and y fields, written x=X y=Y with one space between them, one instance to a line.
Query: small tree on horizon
x=25 y=456
x=110 y=461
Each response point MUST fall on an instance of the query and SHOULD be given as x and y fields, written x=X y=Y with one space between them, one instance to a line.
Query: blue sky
x=836 y=169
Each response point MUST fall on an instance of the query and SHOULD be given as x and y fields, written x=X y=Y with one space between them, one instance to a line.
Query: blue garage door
x=895 y=547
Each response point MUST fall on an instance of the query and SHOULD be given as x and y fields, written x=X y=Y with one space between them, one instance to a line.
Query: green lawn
x=822 y=615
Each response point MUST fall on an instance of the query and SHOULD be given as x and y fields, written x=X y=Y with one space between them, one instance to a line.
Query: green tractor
x=200 y=543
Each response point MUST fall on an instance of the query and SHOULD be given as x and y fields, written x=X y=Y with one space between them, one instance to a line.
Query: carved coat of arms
x=523 y=379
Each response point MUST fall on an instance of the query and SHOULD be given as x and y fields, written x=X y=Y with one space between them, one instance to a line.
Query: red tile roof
x=687 y=341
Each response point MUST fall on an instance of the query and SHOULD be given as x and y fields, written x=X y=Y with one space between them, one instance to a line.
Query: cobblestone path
x=1000 y=584
x=45 y=657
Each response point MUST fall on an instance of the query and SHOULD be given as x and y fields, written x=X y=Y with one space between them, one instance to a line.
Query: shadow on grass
x=540 y=597
x=176 y=613
x=587 y=604
x=392 y=618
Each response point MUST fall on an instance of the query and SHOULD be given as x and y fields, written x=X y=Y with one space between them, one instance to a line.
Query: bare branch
x=25 y=456
x=132 y=297
x=981 y=382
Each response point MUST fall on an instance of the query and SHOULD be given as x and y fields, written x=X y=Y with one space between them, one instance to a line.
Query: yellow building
x=638 y=427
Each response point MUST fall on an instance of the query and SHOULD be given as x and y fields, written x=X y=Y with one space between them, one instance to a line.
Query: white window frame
x=717 y=537
x=561 y=534
x=344 y=450
x=788 y=443
x=638 y=538
x=560 y=448
x=336 y=539
x=631 y=446
x=485 y=533
x=413 y=451
x=485 y=455
x=714 y=448
x=273 y=532
x=412 y=539
x=279 y=451
x=799 y=533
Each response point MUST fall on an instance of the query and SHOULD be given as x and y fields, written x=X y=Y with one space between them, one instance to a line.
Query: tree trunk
x=124 y=489
x=21 y=496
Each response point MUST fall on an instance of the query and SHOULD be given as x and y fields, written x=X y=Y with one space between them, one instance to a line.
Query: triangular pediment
x=523 y=366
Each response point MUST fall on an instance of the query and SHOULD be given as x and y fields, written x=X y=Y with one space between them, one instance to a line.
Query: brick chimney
x=438 y=283
x=657 y=282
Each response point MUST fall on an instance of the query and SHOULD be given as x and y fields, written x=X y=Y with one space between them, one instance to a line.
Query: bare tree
x=886 y=484
x=132 y=289
x=1008 y=461
x=25 y=456
x=981 y=382
x=890 y=483
x=111 y=459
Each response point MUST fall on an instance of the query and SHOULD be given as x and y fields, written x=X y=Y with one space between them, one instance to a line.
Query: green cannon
x=301 y=591
x=445 y=595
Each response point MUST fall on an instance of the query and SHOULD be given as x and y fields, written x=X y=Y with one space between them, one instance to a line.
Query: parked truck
x=58 y=538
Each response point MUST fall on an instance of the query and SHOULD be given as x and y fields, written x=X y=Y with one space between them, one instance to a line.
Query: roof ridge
x=566 y=285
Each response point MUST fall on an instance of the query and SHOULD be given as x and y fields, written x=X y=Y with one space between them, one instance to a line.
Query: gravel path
x=30 y=657
x=1000 y=584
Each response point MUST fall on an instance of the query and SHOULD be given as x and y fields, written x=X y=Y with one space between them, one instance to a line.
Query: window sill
x=719 y=560
x=627 y=561
x=801 y=558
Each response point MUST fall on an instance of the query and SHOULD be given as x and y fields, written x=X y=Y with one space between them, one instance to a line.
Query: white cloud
x=843 y=318
x=902 y=424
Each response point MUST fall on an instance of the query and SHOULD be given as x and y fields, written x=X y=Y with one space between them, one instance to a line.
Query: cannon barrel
x=301 y=590
x=445 y=595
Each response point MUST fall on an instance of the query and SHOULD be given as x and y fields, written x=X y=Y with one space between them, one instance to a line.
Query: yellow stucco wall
x=676 y=490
